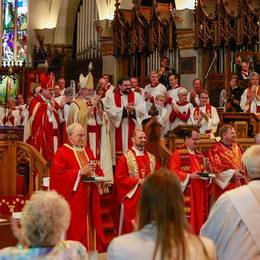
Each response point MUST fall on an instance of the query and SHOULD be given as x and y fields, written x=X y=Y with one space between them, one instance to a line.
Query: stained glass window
x=14 y=31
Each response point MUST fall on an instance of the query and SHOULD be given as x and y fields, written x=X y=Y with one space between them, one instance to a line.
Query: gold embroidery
x=132 y=164
x=152 y=162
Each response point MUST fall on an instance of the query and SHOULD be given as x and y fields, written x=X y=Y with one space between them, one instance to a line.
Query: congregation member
x=154 y=88
x=237 y=214
x=131 y=170
x=188 y=163
x=126 y=110
x=193 y=96
x=174 y=86
x=71 y=164
x=181 y=111
x=40 y=231
x=249 y=102
x=162 y=231
x=165 y=70
x=43 y=127
x=243 y=69
x=231 y=98
x=205 y=116
x=225 y=161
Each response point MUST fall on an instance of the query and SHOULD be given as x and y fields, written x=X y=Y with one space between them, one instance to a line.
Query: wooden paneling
x=13 y=152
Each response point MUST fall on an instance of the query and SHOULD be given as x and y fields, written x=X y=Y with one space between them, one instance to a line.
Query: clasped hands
x=130 y=107
x=202 y=116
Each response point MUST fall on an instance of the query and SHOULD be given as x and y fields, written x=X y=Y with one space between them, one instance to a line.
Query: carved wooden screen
x=142 y=37
x=227 y=27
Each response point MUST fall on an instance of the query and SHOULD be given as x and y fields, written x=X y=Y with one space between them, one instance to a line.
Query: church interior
x=120 y=70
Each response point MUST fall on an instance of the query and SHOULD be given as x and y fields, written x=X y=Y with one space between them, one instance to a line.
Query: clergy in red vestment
x=43 y=129
x=70 y=166
x=188 y=163
x=126 y=110
x=225 y=161
x=131 y=170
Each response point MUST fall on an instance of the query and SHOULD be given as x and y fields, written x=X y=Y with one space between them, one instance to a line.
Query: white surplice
x=226 y=227
x=115 y=116
x=211 y=124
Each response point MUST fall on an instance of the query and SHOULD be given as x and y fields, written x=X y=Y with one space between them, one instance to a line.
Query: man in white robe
x=126 y=110
x=233 y=223
x=205 y=116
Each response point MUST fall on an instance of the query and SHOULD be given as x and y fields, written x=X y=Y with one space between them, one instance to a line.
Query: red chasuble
x=183 y=163
x=41 y=131
x=85 y=201
x=128 y=171
x=222 y=158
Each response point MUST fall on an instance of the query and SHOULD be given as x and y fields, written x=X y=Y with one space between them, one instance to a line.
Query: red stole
x=131 y=123
x=197 y=111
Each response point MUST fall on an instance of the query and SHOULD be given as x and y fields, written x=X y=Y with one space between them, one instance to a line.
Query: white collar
x=137 y=152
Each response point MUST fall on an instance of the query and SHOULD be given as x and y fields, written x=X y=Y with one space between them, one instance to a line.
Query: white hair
x=71 y=127
x=45 y=218
x=251 y=160
x=182 y=91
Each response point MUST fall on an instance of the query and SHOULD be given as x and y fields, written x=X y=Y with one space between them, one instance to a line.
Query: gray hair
x=181 y=91
x=71 y=127
x=251 y=160
x=45 y=218
x=253 y=74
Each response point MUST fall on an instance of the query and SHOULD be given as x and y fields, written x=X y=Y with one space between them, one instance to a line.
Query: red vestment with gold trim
x=130 y=168
x=222 y=158
x=85 y=201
